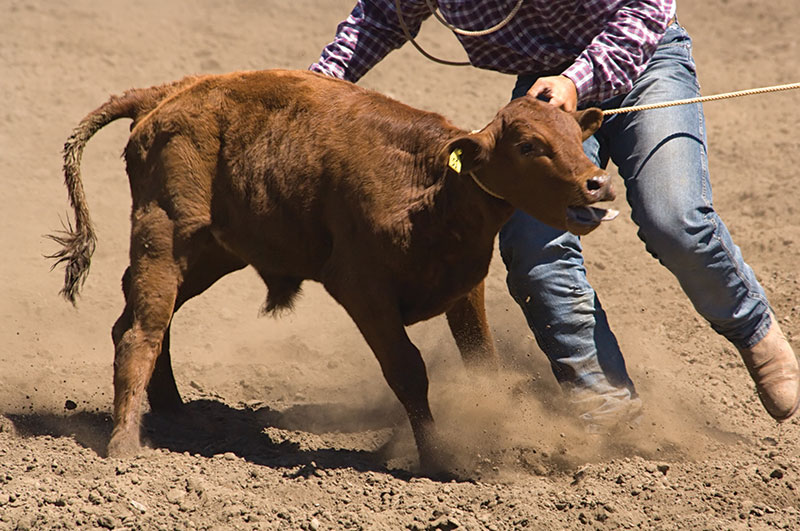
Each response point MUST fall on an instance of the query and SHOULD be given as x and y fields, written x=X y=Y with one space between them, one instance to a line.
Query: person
x=607 y=54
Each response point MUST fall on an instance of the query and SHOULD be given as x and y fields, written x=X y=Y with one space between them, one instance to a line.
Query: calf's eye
x=529 y=149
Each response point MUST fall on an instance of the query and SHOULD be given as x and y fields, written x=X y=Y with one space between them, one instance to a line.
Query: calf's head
x=531 y=155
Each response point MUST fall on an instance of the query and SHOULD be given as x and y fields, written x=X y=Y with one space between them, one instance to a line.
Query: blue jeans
x=661 y=156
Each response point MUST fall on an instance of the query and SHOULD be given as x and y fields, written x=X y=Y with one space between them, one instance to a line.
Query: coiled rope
x=607 y=112
x=470 y=33
x=701 y=99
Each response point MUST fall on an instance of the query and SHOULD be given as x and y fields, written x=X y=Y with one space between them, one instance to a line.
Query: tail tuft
x=76 y=252
x=78 y=243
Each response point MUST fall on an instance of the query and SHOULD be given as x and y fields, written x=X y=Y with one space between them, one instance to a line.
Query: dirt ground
x=293 y=426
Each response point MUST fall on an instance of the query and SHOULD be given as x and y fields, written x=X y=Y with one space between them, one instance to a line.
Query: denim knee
x=534 y=253
x=678 y=237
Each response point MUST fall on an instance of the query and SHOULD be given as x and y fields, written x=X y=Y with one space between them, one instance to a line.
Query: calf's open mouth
x=590 y=216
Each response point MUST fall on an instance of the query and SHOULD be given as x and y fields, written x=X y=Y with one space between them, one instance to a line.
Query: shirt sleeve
x=616 y=57
x=370 y=32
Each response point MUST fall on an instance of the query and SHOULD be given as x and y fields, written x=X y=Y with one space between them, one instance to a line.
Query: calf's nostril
x=598 y=188
x=595 y=183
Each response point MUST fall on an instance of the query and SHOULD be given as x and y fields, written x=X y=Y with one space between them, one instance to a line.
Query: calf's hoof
x=445 y=474
x=123 y=445
x=775 y=371
x=439 y=464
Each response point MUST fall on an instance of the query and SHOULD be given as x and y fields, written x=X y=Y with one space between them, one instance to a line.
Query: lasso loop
x=452 y=28
x=607 y=112
x=471 y=33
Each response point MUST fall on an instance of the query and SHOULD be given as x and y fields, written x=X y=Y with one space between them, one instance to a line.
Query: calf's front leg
x=403 y=368
x=467 y=320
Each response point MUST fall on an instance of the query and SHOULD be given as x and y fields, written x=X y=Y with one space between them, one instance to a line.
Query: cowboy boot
x=774 y=368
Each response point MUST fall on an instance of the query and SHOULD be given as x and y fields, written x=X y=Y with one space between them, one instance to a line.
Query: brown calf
x=307 y=177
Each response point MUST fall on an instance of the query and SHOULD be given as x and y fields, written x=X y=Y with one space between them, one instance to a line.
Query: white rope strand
x=727 y=95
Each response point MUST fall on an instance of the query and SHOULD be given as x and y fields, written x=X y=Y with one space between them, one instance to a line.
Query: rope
x=470 y=33
x=607 y=112
x=484 y=188
x=724 y=96
x=410 y=39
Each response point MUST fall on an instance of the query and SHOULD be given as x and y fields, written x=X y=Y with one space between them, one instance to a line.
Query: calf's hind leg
x=209 y=262
x=162 y=391
x=139 y=332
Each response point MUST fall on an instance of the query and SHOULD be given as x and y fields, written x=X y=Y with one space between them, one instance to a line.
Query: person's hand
x=557 y=90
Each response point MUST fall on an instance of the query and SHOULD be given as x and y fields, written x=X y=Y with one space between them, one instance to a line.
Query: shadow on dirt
x=262 y=436
x=90 y=430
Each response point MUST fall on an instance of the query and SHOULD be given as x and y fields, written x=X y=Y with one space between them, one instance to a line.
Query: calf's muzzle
x=598 y=187
x=582 y=219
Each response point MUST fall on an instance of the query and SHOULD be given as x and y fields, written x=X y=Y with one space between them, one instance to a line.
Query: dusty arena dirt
x=289 y=423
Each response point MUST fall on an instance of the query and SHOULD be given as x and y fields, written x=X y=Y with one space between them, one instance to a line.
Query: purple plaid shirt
x=601 y=45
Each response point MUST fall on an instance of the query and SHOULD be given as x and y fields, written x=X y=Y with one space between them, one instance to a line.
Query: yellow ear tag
x=455 y=160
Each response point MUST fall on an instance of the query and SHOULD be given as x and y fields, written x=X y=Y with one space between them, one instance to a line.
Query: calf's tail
x=78 y=241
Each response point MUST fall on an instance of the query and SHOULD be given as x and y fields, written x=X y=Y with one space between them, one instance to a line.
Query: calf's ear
x=467 y=153
x=590 y=120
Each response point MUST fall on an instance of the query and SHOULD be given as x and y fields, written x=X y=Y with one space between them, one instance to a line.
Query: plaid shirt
x=601 y=45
